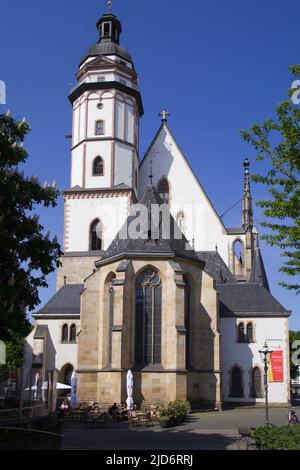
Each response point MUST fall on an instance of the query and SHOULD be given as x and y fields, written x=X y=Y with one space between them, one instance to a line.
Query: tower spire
x=247 y=212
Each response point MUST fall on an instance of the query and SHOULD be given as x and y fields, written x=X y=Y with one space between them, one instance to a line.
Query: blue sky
x=217 y=66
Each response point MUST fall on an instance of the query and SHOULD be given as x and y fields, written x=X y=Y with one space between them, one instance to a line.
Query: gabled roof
x=164 y=126
x=215 y=267
x=158 y=244
x=248 y=300
x=65 y=302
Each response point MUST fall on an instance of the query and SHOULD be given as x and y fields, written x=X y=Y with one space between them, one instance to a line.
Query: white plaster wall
x=246 y=355
x=129 y=127
x=124 y=164
x=77 y=166
x=102 y=148
x=120 y=119
x=95 y=114
x=186 y=194
x=112 y=211
x=66 y=353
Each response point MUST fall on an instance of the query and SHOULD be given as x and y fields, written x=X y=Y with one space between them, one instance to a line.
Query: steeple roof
x=158 y=234
x=110 y=29
x=258 y=272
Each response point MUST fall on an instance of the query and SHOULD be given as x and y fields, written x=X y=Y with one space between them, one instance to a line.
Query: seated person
x=64 y=405
x=113 y=410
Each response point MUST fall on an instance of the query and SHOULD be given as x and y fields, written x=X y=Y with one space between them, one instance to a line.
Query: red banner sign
x=276 y=366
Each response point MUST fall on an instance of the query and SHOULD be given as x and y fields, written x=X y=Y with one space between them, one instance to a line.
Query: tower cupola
x=109 y=28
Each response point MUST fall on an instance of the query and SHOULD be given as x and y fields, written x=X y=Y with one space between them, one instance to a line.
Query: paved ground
x=202 y=431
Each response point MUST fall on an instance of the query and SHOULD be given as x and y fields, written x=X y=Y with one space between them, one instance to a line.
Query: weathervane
x=164 y=115
x=110 y=5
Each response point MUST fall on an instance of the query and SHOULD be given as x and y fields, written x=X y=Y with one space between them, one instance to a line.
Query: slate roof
x=106 y=48
x=216 y=267
x=40 y=332
x=65 y=302
x=161 y=246
x=258 y=272
x=247 y=299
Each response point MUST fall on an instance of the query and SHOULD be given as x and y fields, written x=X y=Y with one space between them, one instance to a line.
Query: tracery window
x=148 y=318
x=187 y=304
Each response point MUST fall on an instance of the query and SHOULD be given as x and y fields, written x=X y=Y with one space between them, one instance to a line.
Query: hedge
x=278 y=438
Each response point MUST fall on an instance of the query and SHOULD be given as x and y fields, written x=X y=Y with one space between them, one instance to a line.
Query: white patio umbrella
x=74 y=389
x=129 y=384
x=36 y=385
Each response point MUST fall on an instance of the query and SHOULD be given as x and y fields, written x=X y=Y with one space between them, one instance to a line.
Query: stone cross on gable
x=164 y=115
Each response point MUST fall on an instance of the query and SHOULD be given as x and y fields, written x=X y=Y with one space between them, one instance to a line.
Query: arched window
x=250 y=333
x=187 y=306
x=241 y=333
x=236 y=389
x=164 y=190
x=98 y=167
x=65 y=334
x=66 y=374
x=111 y=306
x=148 y=318
x=238 y=251
x=73 y=333
x=96 y=235
x=256 y=383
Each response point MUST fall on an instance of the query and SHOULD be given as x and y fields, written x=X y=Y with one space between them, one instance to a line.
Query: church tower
x=107 y=107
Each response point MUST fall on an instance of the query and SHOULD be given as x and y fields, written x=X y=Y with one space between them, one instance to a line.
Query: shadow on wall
x=40 y=356
x=243 y=381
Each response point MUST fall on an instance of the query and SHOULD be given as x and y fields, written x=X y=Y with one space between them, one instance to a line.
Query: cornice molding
x=98 y=194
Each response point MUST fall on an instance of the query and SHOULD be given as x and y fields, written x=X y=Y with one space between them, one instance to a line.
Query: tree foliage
x=27 y=255
x=278 y=142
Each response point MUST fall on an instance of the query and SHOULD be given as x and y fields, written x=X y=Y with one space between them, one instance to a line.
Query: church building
x=151 y=279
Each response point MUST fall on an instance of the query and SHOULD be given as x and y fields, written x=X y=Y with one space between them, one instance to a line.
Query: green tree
x=27 y=255
x=278 y=142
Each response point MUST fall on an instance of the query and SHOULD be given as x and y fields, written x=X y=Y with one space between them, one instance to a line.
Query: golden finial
x=110 y=5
